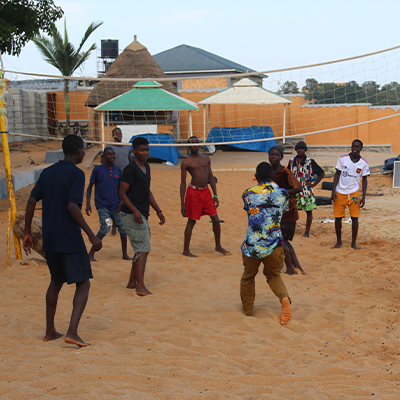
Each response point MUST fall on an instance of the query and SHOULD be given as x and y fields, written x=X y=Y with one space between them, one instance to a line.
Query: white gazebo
x=244 y=91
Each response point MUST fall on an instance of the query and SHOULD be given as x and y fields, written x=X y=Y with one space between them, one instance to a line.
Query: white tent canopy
x=245 y=91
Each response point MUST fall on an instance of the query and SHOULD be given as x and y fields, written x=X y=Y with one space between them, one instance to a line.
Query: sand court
x=190 y=340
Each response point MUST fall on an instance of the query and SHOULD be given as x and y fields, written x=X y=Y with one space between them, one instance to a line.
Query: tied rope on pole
x=7 y=167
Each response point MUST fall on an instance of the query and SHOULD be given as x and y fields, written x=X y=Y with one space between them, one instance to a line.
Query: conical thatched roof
x=134 y=62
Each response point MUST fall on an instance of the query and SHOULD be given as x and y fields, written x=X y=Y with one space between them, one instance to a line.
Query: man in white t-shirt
x=346 y=190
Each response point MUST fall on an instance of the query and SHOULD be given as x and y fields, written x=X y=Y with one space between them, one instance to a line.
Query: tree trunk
x=66 y=105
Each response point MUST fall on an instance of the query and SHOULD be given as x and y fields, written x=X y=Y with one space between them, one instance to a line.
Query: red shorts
x=199 y=202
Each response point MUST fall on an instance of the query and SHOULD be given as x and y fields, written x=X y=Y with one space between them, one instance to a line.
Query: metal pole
x=7 y=167
x=102 y=129
x=204 y=123
x=190 y=123
x=284 y=124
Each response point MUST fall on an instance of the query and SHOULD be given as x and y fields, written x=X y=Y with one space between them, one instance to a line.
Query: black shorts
x=68 y=267
x=288 y=229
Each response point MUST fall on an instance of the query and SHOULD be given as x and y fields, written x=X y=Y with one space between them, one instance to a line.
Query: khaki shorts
x=344 y=200
x=138 y=234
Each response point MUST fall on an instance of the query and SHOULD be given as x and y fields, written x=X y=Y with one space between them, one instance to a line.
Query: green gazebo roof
x=147 y=96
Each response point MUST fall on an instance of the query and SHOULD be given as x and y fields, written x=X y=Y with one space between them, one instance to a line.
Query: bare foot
x=91 y=258
x=126 y=257
x=299 y=270
x=188 y=254
x=222 y=250
x=306 y=235
x=338 y=245
x=131 y=285
x=76 y=340
x=354 y=246
x=286 y=314
x=290 y=271
x=52 y=336
x=143 y=291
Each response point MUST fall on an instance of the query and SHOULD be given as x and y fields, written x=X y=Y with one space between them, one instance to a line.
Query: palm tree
x=60 y=53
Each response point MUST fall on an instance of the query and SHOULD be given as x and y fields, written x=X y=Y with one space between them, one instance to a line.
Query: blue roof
x=188 y=58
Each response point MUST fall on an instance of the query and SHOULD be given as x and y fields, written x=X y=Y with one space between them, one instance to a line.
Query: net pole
x=190 y=123
x=209 y=118
x=102 y=129
x=108 y=126
x=7 y=167
x=204 y=123
x=284 y=124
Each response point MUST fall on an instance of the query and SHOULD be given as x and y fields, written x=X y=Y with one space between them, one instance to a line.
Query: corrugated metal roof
x=189 y=58
x=147 y=96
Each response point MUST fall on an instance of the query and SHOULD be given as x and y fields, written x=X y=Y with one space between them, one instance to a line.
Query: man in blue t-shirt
x=265 y=204
x=107 y=178
x=60 y=187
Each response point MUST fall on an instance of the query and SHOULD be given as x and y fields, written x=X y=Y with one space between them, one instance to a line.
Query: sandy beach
x=190 y=340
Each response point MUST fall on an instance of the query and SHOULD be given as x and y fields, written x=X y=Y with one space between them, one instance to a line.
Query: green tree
x=21 y=20
x=61 y=54
x=289 y=87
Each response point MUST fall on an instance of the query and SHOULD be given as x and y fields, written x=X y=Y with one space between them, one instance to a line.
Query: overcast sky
x=260 y=34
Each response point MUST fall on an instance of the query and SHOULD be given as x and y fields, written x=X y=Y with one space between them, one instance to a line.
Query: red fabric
x=198 y=203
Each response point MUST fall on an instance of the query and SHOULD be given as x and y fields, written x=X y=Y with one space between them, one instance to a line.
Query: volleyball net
x=331 y=99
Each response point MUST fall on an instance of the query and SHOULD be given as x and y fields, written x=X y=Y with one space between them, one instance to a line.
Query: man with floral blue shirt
x=264 y=203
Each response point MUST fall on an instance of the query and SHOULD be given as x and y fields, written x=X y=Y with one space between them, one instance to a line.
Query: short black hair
x=108 y=148
x=116 y=129
x=72 y=143
x=192 y=137
x=139 y=141
x=359 y=141
x=264 y=172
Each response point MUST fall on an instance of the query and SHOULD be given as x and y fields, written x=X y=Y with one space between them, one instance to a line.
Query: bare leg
x=51 y=306
x=124 y=245
x=136 y=279
x=354 y=232
x=113 y=229
x=217 y=235
x=308 y=223
x=286 y=314
x=187 y=236
x=288 y=261
x=338 y=229
x=79 y=304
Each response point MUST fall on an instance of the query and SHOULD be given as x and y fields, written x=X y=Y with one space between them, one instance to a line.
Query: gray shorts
x=138 y=234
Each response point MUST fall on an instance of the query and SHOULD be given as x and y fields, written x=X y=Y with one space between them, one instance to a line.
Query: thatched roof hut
x=134 y=62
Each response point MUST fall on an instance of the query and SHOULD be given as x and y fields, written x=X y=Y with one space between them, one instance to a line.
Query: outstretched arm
x=364 y=191
x=29 y=213
x=157 y=209
x=88 y=196
x=183 y=189
x=76 y=214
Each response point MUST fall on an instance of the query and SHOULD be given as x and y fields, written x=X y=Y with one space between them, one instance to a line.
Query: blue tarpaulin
x=218 y=135
x=170 y=153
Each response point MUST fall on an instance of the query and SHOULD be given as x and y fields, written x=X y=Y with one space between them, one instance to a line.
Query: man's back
x=59 y=185
x=265 y=206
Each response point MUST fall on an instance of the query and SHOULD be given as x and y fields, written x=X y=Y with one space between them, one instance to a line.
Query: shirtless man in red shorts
x=196 y=199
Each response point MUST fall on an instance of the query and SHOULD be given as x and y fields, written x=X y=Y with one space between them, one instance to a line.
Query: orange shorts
x=344 y=200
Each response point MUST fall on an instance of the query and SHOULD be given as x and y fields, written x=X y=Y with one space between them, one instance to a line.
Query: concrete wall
x=26 y=113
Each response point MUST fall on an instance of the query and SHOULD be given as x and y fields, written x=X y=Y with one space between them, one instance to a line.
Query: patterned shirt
x=265 y=204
